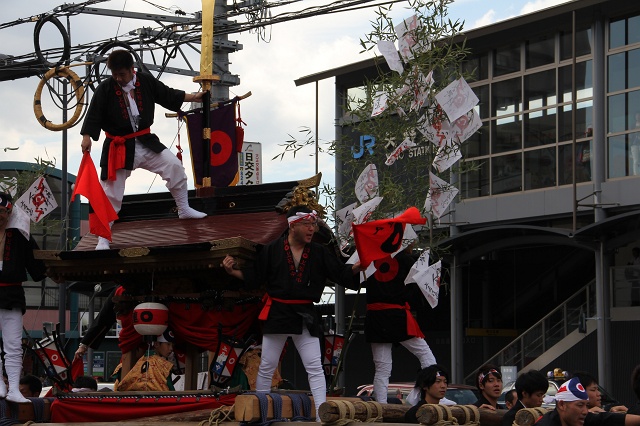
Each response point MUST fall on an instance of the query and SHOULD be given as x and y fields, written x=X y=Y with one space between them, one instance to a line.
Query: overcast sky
x=277 y=108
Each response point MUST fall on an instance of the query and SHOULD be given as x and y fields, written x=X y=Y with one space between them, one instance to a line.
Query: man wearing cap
x=16 y=259
x=294 y=270
x=489 y=382
x=572 y=410
x=152 y=373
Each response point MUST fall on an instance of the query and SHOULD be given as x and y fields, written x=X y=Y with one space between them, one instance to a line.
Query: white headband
x=302 y=216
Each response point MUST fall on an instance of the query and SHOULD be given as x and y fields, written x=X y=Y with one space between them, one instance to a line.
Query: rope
x=8 y=421
x=445 y=416
x=347 y=412
x=534 y=413
x=370 y=418
x=263 y=403
x=471 y=414
x=301 y=405
x=38 y=409
x=218 y=415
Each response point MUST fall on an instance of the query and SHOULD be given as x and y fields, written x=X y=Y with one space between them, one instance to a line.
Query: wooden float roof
x=166 y=246
x=150 y=239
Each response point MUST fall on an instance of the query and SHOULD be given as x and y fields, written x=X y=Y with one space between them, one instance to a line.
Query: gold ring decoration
x=78 y=89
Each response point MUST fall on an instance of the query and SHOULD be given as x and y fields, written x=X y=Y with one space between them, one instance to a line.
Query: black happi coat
x=271 y=270
x=108 y=112
x=552 y=418
x=17 y=261
x=387 y=286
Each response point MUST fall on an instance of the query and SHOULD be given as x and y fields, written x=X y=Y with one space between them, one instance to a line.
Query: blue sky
x=277 y=108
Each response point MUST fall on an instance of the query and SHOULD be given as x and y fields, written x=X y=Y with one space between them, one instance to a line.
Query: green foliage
x=406 y=182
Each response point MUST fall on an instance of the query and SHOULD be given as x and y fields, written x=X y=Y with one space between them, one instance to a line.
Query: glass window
x=617 y=156
x=540 y=51
x=540 y=128
x=633 y=30
x=540 y=89
x=616 y=72
x=506 y=173
x=506 y=60
x=507 y=97
x=633 y=68
x=634 y=151
x=354 y=96
x=477 y=67
x=584 y=121
x=623 y=109
x=540 y=168
x=482 y=92
x=475 y=181
x=584 y=81
x=617 y=36
x=583 y=163
x=478 y=144
x=583 y=43
x=507 y=134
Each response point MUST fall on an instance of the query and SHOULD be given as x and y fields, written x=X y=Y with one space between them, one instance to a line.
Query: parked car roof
x=461 y=394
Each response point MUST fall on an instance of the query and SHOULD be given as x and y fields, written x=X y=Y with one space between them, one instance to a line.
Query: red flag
x=380 y=238
x=88 y=185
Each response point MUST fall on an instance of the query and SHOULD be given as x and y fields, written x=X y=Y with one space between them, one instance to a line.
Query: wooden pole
x=338 y=410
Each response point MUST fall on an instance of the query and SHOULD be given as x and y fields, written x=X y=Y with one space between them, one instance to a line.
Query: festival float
x=169 y=273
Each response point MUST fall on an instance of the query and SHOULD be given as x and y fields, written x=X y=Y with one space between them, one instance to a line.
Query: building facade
x=542 y=232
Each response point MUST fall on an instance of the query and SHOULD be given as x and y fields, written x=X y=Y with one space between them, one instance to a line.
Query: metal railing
x=540 y=337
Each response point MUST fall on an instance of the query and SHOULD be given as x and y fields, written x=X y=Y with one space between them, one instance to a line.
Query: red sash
x=412 y=325
x=117 y=151
x=264 y=314
x=9 y=284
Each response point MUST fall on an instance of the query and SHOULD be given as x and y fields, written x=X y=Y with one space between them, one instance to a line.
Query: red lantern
x=150 y=319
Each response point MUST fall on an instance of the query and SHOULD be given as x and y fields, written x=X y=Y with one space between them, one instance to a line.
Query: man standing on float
x=294 y=271
x=123 y=106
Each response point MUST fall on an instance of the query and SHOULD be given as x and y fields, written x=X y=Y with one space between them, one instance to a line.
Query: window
x=506 y=134
x=540 y=89
x=475 y=181
x=584 y=81
x=506 y=173
x=583 y=43
x=506 y=60
x=477 y=67
x=540 y=168
x=540 y=128
x=540 y=51
x=507 y=97
x=582 y=159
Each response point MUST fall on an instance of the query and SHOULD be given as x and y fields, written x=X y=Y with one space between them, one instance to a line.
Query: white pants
x=165 y=164
x=383 y=362
x=309 y=349
x=11 y=326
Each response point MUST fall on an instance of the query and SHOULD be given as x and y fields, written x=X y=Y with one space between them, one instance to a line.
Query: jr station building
x=541 y=270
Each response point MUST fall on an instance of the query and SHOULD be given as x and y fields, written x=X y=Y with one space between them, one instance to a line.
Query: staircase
x=548 y=338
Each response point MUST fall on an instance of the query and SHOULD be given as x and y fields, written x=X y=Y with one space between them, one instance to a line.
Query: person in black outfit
x=16 y=259
x=489 y=382
x=294 y=270
x=431 y=384
x=389 y=320
x=635 y=385
x=531 y=387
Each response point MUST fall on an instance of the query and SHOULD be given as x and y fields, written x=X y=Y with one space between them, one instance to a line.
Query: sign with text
x=250 y=164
